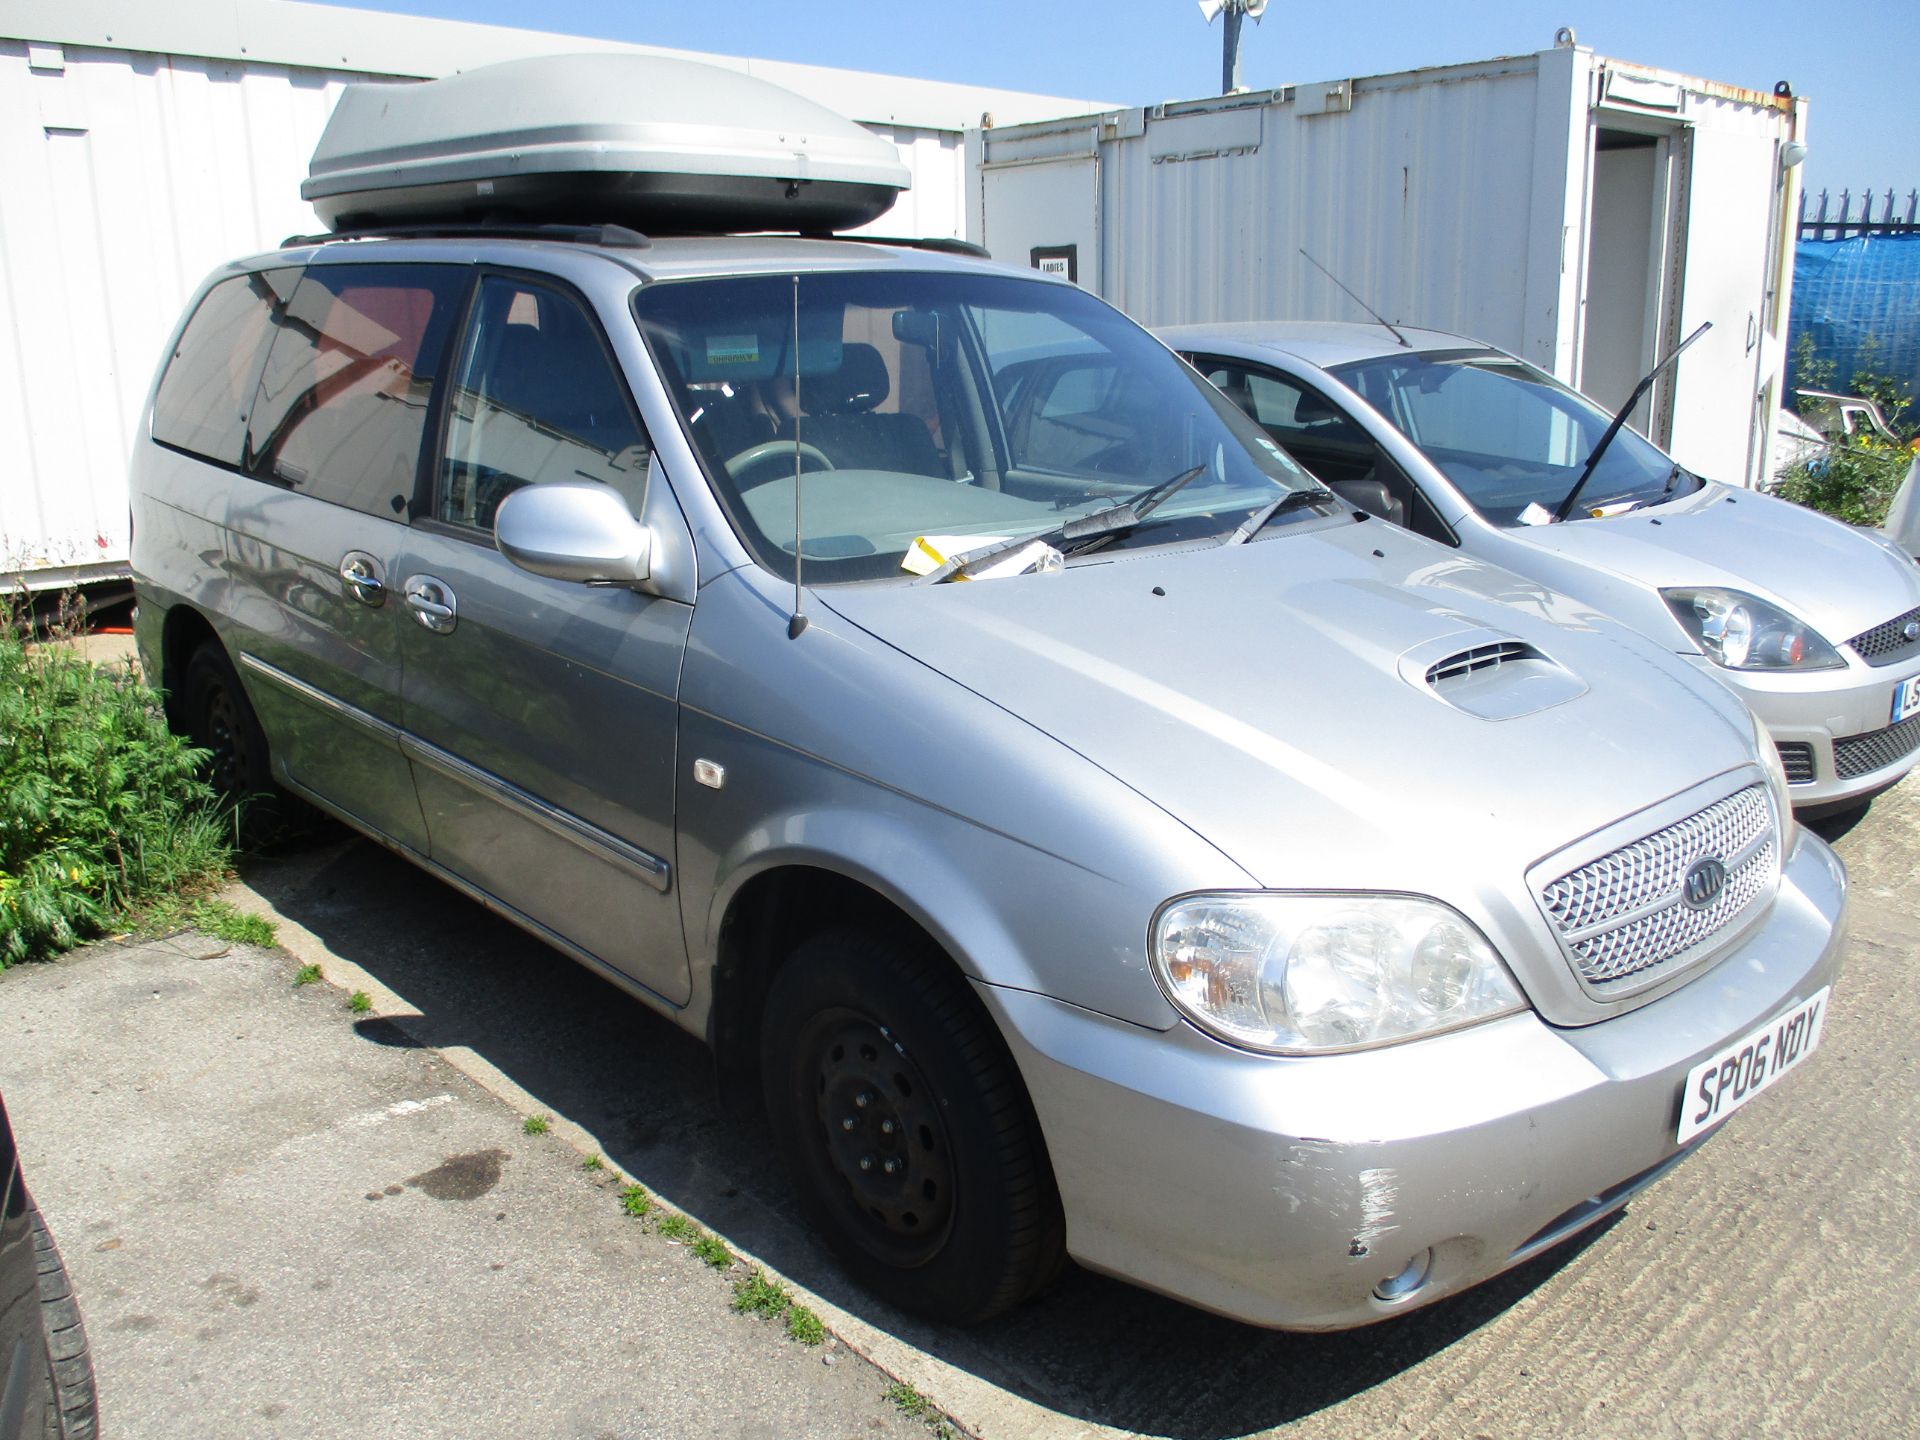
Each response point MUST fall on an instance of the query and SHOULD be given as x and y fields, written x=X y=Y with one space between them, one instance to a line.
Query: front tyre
x=899 y=1113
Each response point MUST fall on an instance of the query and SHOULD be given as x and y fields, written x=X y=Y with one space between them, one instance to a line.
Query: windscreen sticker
x=733 y=349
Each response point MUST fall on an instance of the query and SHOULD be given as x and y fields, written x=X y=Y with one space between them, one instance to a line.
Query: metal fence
x=1827 y=217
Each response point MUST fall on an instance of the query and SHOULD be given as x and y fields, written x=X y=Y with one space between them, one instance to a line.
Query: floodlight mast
x=1235 y=11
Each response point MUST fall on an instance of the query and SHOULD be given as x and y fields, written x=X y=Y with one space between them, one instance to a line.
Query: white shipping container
x=1582 y=212
x=144 y=144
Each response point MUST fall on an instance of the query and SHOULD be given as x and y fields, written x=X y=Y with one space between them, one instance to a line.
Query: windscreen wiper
x=1620 y=418
x=1292 y=500
x=1080 y=534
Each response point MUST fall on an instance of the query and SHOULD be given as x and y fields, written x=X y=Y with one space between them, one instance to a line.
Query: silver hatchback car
x=1814 y=624
x=905 y=674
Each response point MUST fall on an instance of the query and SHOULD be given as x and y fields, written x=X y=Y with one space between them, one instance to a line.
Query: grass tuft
x=224 y=922
x=755 y=1294
x=593 y=1162
x=713 y=1250
x=359 y=1002
x=909 y=1401
x=635 y=1200
x=102 y=811
x=676 y=1226
x=805 y=1326
x=307 y=975
x=534 y=1125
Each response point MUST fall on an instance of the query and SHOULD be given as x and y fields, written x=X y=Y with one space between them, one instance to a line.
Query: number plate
x=1722 y=1083
x=1906 y=699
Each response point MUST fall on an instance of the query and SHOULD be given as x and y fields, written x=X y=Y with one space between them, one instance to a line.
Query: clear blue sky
x=1857 y=60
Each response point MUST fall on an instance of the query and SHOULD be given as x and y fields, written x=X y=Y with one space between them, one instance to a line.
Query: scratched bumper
x=1282 y=1191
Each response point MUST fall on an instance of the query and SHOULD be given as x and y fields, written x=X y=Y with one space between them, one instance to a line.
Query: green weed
x=224 y=922
x=755 y=1294
x=805 y=1326
x=593 y=1162
x=909 y=1401
x=359 y=1002
x=534 y=1125
x=307 y=974
x=635 y=1200
x=676 y=1226
x=101 y=809
x=713 y=1250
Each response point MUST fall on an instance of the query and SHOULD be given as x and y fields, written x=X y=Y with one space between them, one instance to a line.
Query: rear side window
x=201 y=406
x=342 y=407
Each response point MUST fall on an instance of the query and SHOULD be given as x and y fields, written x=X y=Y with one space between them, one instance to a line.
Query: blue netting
x=1862 y=293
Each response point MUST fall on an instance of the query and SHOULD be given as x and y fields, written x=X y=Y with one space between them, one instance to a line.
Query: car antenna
x=1391 y=330
x=1619 y=419
x=798 y=621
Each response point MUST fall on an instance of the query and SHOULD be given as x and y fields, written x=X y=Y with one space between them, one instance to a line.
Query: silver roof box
x=640 y=140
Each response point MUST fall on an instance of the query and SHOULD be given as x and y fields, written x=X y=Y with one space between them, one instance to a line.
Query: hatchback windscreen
x=1511 y=438
x=964 y=409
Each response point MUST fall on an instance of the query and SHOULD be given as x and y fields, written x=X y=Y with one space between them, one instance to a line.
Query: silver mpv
x=908 y=676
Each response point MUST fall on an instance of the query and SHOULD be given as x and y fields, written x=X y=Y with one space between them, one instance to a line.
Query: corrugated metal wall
x=127 y=178
x=1418 y=198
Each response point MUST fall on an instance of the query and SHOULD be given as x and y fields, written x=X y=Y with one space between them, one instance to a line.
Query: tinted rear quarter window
x=201 y=405
x=342 y=406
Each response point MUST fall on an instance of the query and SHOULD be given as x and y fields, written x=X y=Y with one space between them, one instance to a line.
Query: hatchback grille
x=1796 y=758
x=1480 y=657
x=1626 y=912
x=1888 y=644
x=1863 y=754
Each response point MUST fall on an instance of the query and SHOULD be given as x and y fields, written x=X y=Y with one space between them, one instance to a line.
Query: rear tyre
x=902 y=1119
x=73 y=1405
x=219 y=719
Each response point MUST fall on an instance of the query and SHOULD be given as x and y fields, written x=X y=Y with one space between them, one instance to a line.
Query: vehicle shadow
x=1091 y=1348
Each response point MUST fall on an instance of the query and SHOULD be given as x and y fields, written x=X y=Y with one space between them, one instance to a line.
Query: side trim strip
x=641 y=864
x=372 y=724
x=611 y=848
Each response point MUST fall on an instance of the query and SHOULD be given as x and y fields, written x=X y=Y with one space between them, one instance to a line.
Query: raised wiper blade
x=1620 y=418
x=1089 y=529
x=1293 y=500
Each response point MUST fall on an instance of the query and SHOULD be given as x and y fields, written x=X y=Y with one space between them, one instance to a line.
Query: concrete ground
x=201 y=1132
x=281 y=1222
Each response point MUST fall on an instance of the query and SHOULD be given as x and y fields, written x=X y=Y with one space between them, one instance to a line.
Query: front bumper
x=1833 y=728
x=1283 y=1190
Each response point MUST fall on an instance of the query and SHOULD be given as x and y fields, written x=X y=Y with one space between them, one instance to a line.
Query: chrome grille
x=1625 y=913
x=1888 y=643
x=1480 y=657
x=1863 y=754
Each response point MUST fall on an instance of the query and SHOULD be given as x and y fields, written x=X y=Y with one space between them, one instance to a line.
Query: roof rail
x=617 y=237
x=941 y=243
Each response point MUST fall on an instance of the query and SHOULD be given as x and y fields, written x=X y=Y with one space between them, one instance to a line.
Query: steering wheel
x=755 y=456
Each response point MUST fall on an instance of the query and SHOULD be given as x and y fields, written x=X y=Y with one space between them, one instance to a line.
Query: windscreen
x=963 y=407
x=1511 y=438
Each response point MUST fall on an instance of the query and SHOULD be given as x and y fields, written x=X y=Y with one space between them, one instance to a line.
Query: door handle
x=432 y=603
x=360 y=573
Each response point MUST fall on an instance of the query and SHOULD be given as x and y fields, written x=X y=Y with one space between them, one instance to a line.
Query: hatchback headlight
x=1303 y=974
x=1744 y=632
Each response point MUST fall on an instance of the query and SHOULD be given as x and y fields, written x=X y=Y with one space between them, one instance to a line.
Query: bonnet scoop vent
x=1490 y=676
x=1481 y=657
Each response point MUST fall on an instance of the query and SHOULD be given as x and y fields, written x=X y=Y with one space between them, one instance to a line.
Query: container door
x=1041 y=204
x=1716 y=396
x=541 y=715
x=316 y=527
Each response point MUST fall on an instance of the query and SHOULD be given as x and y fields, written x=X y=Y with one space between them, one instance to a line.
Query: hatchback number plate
x=1722 y=1083
x=1906 y=699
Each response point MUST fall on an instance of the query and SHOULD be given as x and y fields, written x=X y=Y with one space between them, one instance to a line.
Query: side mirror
x=573 y=532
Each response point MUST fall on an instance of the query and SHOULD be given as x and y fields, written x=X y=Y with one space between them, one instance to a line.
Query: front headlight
x=1302 y=974
x=1744 y=632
